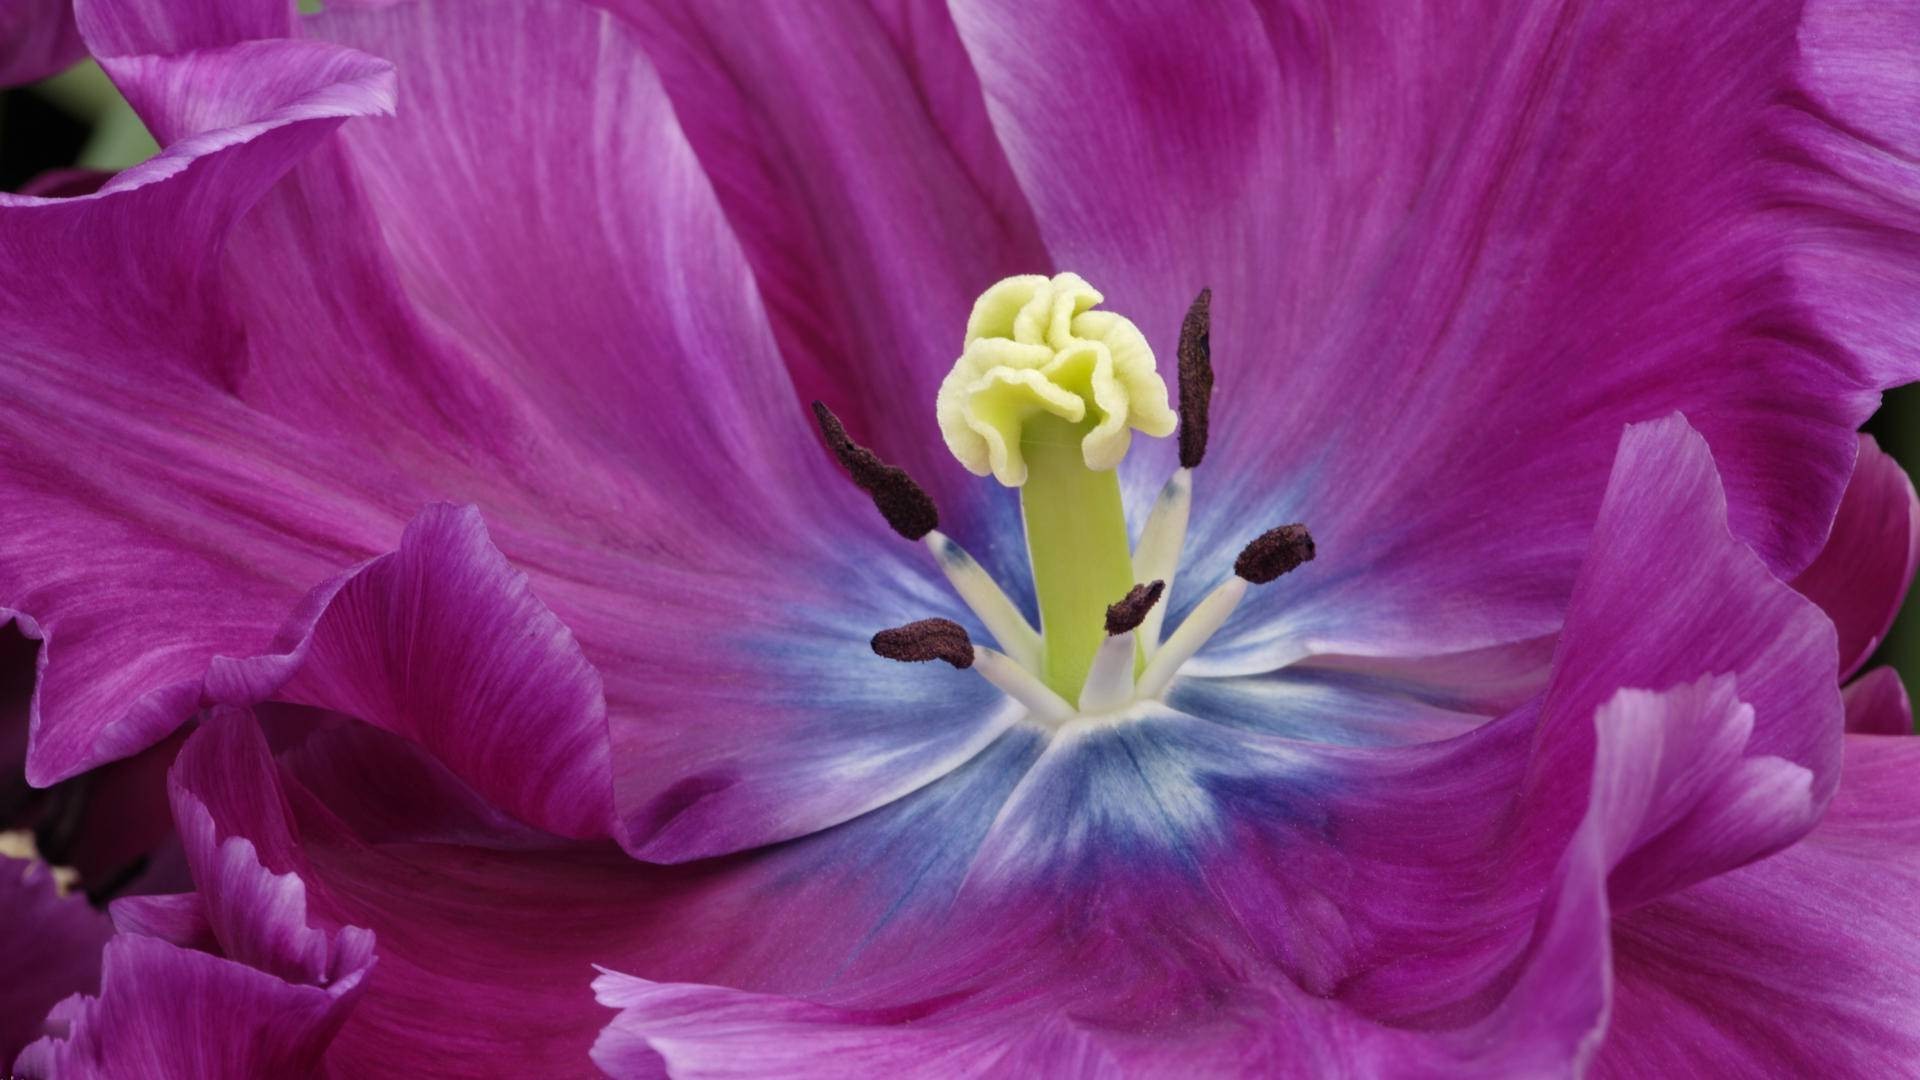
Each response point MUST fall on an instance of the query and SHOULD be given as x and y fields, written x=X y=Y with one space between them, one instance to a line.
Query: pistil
x=1077 y=543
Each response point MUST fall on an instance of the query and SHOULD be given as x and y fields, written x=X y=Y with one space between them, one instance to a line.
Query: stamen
x=1109 y=682
x=1010 y=629
x=1274 y=552
x=1022 y=686
x=906 y=507
x=1205 y=620
x=1196 y=378
x=1129 y=611
x=1271 y=554
x=944 y=639
x=927 y=639
x=1158 y=555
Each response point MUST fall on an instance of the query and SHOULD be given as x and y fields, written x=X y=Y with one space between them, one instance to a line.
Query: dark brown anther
x=1273 y=553
x=901 y=501
x=928 y=639
x=1131 y=610
x=1196 y=378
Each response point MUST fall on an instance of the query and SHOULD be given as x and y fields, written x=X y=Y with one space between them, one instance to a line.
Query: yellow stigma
x=1036 y=348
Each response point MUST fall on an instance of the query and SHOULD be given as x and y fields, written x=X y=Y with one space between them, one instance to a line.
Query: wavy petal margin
x=236 y=980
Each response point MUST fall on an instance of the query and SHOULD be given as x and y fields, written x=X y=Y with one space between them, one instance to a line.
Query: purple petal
x=131 y=28
x=444 y=643
x=1803 y=964
x=401 y=792
x=333 y=344
x=1439 y=903
x=174 y=1012
x=37 y=38
x=253 y=900
x=472 y=953
x=850 y=148
x=245 y=982
x=1877 y=704
x=1562 y=253
x=1666 y=596
x=759 y=570
x=113 y=446
x=1855 y=268
x=1678 y=796
x=1862 y=575
x=605 y=286
x=49 y=948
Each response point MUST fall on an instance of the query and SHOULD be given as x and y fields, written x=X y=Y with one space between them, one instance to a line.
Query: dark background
x=76 y=119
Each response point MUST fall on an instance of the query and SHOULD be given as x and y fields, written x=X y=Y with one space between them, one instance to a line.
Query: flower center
x=1045 y=397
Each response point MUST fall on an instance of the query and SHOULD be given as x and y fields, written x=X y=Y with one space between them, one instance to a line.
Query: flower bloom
x=1459 y=693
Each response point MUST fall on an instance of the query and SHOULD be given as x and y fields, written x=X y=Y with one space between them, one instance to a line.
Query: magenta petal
x=493 y=948
x=1438 y=906
x=851 y=150
x=708 y=1032
x=539 y=198
x=1666 y=596
x=179 y=918
x=444 y=643
x=1518 y=190
x=170 y=1012
x=1877 y=704
x=253 y=899
x=243 y=981
x=37 y=38
x=1862 y=575
x=1803 y=964
x=130 y=27
x=1678 y=795
x=1856 y=270
x=401 y=792
x=49 y=948
x=113 y=446
x=333 y=344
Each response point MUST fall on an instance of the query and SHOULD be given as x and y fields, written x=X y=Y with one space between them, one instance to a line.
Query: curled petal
x=108 y=465
x=1877 y=704
x=1862 y=575
x=444 y=643
x=1820 y=935
x=245 y=982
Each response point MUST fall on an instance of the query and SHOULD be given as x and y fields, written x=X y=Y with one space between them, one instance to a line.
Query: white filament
x=1021 y=685
x=1157 y=556
x=1109 y=682
x=1200 y=624
x=1010 y=629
